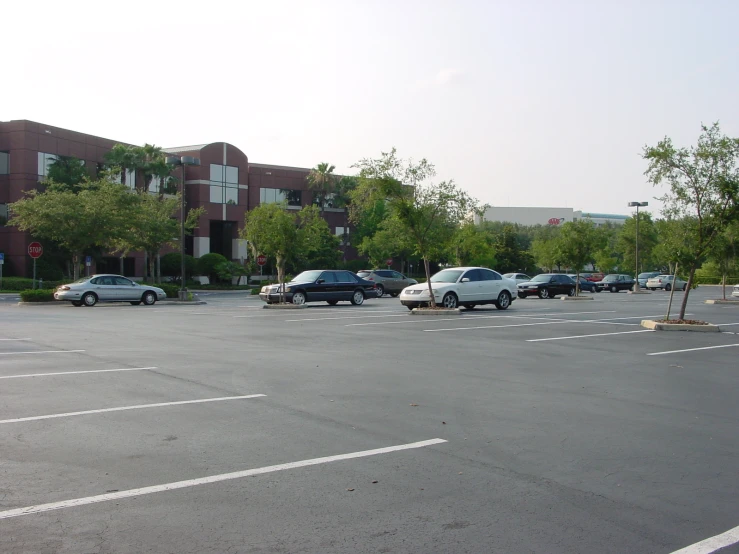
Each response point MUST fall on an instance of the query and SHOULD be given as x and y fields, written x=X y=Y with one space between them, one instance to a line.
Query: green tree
x=704 y=190
x=546 y=253
x=723 y=253
x=94 y=217
x=576 y=243
x=429 y=213
x=472 y=246
x=626 y=242
x=321 y=181
x=121 y=158
x=66 y=173
x=510 y=246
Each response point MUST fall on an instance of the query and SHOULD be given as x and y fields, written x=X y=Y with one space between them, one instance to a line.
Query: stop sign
x=261 y=259
x=35 y=250
x=389 y=261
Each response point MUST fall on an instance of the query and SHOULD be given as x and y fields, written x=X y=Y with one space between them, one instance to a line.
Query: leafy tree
x=429 y=213
x=723 y=253
x=626 y=241
x=546 y=253
x=66 y=173
x=576 y=242
x=472 y=246
x=321 y=181
x=207 y=264
x=605 y=261
x=121 y=158
x=390 y=240
x=510 y=252
x=77 y=222
x=704 y=190
x=227 y=270
x=171 y=265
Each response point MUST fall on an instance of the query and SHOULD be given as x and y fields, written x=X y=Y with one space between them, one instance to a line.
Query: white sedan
x=735 y=291
x=462 y=286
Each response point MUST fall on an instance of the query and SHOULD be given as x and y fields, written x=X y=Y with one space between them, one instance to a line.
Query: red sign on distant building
x=35 y=250
x=261 y=259
x=556 y=220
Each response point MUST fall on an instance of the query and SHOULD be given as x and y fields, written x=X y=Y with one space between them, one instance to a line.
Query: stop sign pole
x=35 y=250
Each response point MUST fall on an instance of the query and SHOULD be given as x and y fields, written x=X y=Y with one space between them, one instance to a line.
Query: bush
x=207 y=264
x=23 y=283
x=170 y=265
x=171 y=290
x=714 y=280
x=355 y=265
x=226 y=271
x=38 y=295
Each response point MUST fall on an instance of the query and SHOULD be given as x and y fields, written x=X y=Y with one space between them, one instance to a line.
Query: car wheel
x=614 y=288
x=543 y=293
x=380 y=290
x=332 y=302
x=410 y=307
x=522 y=296
x=299 y=298
x=136 y=303
x=90 y=299
x=449 y=300
x=149 y=298
x=668 y=288
x=469 y=306
x=571 y=292
x=504 y=300
x=394 y=294
x=76 y=303
x=358 y=298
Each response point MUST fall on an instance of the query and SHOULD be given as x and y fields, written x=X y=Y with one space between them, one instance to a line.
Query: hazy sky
x=522 y=103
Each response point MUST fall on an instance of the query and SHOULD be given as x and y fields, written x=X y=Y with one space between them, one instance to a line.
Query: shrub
x=207 y=264
x=23 y=283
x=171 y=290
x=37 y=295
x=170 y=265
x=226 y=271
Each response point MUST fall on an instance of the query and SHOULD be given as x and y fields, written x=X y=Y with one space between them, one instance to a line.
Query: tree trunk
x=75 y=266
x=428 y=282
x=577 y=284
x=723 y=286
x=281 y=277
x=684 y=303
x=159 y=269
x=152 y=267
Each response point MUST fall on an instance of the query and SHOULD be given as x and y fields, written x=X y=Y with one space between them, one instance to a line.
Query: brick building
x=226 y=184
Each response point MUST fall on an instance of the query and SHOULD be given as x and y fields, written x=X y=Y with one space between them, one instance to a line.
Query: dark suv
x=387 y=280
x=547 y=285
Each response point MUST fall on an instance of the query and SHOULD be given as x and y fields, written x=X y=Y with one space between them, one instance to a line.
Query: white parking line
x=469 y=316
x=712 y=544
x=552 y=322
x=593 y=335
x=15 y=339
x=692 y=349
x=39 y=508
x=42 y=352
x=345 y=317
x=315 y=311
x=123 y=408
x=73 y=372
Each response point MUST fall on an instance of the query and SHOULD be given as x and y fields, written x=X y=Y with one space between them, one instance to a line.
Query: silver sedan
x=88 y=291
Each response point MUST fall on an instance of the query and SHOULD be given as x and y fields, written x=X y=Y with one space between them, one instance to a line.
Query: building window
x=130 y=178
x=156 y=184
x=3 y=214
x=44 y=161
x=4 y=163
x=329 y=199
x=343 y=234
x=224 y=184
x=273 y=196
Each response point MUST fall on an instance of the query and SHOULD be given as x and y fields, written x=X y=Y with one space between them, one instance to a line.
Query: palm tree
x=342 y=199
x=321 y=180
x=150 y=160
x=122 y=157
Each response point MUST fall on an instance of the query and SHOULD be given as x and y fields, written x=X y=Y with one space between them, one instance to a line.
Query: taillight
x=65 y=287
x=370 y=278
x=660 y=280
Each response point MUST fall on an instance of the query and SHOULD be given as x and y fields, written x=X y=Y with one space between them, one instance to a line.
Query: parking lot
x=550 y=427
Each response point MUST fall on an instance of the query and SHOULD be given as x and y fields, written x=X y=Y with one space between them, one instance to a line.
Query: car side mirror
x=465 y=280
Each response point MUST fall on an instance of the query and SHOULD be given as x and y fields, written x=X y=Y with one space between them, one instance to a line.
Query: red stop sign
x=389 y=261
x=35 y=249
x=261 y=259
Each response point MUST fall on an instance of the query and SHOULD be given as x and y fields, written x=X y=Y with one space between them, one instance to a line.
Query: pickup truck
x=616 y=282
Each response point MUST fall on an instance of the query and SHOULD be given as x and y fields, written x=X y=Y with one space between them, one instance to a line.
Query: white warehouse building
x=545 y=216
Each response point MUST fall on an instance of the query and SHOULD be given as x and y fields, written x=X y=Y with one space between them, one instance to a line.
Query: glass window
x=44 y=161
x=232 y=175
x=328 y=277
x=446 y=276
x=346 y=277
x=216 y=173
x=224 y=184
x=294 y=197
x=216 y=194
x=122 y=281
x=3 y=214
x=4 y=163
x=272 y=196
x=473 y=275
x=232 y=195
x=488 y=275
x=397 y=275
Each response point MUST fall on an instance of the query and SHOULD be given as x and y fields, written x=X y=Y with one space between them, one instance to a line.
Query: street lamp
x=637 y=205
x=182 y=161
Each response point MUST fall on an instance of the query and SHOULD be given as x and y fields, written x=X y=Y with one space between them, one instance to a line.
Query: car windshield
x=307 y=276
x=447 y=276
x=543 y=278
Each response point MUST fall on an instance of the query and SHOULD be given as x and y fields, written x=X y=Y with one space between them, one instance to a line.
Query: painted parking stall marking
x=692 y=349
x=470 y=316
x=593 y=335
x=42 y=352
x=126 y=408
x=39 y=508
x=74 y=372
x=712 y=544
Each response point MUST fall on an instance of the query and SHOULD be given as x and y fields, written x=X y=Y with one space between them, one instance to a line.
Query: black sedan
x=319 y=285
x=616 y=282
x=585 y=285
x=547 y=285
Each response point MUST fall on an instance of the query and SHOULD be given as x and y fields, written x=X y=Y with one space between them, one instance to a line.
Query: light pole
x=182 y=161
x=637 y=205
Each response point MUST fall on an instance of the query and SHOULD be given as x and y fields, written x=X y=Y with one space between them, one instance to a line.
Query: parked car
x=88 y=291
x=587 y=286
x=616 y=282
x=593 y=277
x=462 y=286
x=666 y=282
x=735 y=291
x=547 y=285
x=319 y=285
x=644 y=277
x=387 y=280
x=518 y=277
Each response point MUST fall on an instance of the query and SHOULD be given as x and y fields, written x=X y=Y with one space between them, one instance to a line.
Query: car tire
x=380 y=290
x=469 y=306
x=394 y=294
x=135 y=303
x=450 y=300
x=543 y=293
x=149 y=298
x=299 y=298
x=571 y=292
x=614 y=288
x=504 y=300
x=410 y=308
x=332 y=302
x=358 y=297
x=76 y=303
x=89 y=299
x=521 y=296
x=668 y=287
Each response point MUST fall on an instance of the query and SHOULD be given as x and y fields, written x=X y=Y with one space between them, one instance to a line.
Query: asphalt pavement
x=551 y=427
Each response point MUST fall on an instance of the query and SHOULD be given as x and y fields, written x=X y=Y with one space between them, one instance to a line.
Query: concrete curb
x=284 y=306
x=215 y=291
x=640 y=292
x=721 y=301
x=438 y=311
x=656 y=326
x=576 y=298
